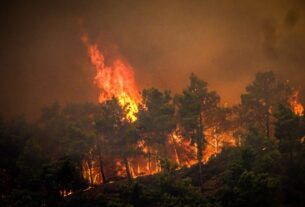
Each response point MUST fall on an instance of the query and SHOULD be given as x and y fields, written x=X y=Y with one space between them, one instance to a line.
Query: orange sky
x=42 y=58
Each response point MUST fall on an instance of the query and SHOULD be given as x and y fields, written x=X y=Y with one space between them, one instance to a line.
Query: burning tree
x=219 y=131
x=156 y=121
x=195 y=122
x=117 y=131
x=261 y=99
x=195 y=106
x=295 y=104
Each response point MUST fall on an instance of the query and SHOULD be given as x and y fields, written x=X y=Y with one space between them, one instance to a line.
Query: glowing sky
x=224 y=42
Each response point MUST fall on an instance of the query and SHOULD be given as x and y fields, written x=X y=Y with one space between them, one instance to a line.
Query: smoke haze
x=225 y=43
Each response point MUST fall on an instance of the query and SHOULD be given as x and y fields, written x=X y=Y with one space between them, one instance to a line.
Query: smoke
x=42 y=58
x=270 y=39
x=292 y=18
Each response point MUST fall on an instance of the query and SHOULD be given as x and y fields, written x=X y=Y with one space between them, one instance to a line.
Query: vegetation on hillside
x=93 y=155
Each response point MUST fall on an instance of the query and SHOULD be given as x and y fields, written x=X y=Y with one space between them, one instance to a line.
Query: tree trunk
x=102 y=170
x=164 y=160
x=127 y=169
x=199 y=151
x=176 y=152
x=149 y=160
x=199 y=160
x=100 y=160
x=164 y=146
x=90 y=172
x=268 y=124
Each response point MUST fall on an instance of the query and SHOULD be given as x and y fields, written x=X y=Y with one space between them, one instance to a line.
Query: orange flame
x=214 y=145
x=295 y=104
x=115 y=80
x=65 y=193
x=216 y=142
x=91 y=172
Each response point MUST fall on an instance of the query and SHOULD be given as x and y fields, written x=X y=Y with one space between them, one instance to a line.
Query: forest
x=185 y=149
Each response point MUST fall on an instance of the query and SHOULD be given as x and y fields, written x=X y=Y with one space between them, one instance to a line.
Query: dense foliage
x=42 y=163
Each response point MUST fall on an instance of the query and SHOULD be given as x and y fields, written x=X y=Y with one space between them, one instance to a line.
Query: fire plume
x=295 y=104
x=115 y=79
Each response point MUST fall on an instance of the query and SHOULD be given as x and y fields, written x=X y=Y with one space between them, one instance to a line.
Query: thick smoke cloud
x=225 y=43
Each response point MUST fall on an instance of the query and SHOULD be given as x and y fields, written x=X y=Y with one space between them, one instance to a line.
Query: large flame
x=295 y=104
x=115 y=79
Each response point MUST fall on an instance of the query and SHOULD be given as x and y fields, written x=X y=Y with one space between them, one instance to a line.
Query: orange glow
x=184 y=151
x=120 y=168
x=115 y=79
x=216 y=142
x=295 y=104
x=141 y=165
x=188 y=151
x=65 y=192
x=91 y=172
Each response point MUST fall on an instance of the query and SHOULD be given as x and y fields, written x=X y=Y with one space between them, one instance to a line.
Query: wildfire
x=295 y=104
x=216 y=142
x=183 y=149
x=115 y=79
x=184 y=152
x=91 y=172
